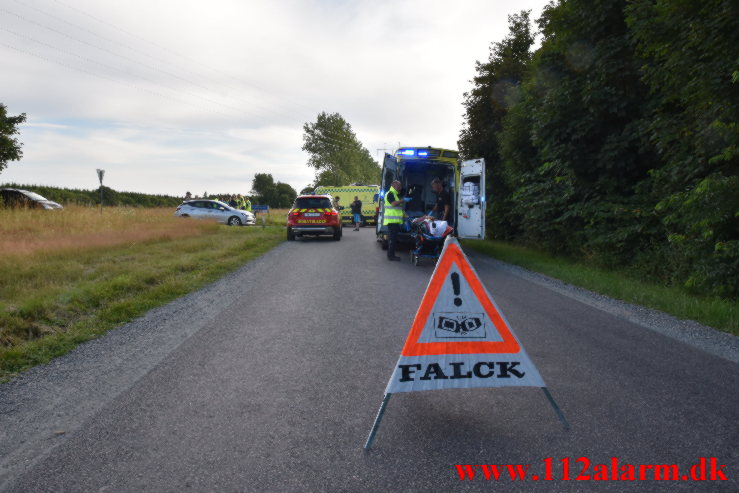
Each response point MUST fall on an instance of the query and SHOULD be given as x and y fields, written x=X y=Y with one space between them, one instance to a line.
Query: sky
x=169 y=96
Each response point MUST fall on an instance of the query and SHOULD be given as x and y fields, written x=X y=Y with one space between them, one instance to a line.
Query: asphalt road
x=269 y=380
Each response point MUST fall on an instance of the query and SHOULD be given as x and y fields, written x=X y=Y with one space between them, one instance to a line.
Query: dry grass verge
x=23 y=232
x=66 y=278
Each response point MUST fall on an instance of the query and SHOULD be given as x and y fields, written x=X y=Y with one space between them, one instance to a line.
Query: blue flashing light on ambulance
x=415 y=168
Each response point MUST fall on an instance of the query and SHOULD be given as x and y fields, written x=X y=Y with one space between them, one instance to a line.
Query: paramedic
x=441 y=208
x=393 y=217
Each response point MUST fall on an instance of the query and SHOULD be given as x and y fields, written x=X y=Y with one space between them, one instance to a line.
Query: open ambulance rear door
x=389 y=173
x=471 y=200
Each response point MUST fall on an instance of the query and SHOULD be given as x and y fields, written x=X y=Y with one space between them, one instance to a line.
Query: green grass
x=51 y=302
x=719 y=313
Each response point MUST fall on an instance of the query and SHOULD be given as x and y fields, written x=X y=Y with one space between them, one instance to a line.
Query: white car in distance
x=215 y=211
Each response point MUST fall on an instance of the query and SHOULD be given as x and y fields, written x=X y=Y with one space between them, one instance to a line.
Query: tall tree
x=622 y=147
x=575 y=152
x=336 y=154
x=496 y=89
x=590 y=81
x=691 y=51
x=284 y=196
x=274 y=194
x=10 y=147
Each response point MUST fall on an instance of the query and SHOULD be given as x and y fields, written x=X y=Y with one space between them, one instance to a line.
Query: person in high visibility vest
x=247 y=205
x=393 y=217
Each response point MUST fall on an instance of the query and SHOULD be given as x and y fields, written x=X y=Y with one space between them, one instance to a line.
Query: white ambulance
x=415 y=168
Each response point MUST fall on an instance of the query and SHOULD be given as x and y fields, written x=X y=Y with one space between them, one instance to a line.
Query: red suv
x=313 y=215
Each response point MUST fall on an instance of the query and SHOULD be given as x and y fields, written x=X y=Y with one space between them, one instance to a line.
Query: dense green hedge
x=616 y=141
x=66 y=196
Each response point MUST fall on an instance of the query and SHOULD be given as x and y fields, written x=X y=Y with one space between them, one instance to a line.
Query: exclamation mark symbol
x=455 y=286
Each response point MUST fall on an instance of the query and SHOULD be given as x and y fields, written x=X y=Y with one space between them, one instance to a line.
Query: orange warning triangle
x=451 y=255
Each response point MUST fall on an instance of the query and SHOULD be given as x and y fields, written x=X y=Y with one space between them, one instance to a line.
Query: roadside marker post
x=256 y=209
x=101 y=173
x=460 y=339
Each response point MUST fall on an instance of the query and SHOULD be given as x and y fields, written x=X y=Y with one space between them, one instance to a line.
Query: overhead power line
x=94 y=74
x=173 y=52
x=340 y=139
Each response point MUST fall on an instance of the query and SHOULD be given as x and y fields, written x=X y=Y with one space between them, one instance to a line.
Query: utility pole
x=101 y=172
x=385 y=148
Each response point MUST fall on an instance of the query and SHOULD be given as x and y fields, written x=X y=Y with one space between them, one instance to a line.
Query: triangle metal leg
x=376 y=424
x=556 y=409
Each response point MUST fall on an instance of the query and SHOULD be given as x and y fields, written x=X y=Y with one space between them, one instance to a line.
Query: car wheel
x=290 y=235
x=337 y=236
x=234 y=221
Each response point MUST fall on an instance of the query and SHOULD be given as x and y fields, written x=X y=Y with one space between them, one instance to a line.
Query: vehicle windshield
x=312 y=203
x=34 y=196
x=218 y=203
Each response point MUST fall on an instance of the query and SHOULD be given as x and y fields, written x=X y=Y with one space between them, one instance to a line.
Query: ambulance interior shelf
x=470 y=192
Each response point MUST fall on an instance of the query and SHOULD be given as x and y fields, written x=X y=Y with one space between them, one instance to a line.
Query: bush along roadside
x=615 y=141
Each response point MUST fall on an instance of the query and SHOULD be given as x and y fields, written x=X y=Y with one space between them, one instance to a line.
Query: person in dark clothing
x=357 y=212
x=443 y=201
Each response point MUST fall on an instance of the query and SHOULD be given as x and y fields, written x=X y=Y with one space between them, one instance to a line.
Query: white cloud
x=173 y=96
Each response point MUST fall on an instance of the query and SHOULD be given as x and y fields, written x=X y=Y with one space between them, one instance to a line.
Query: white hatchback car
x=215 y=211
